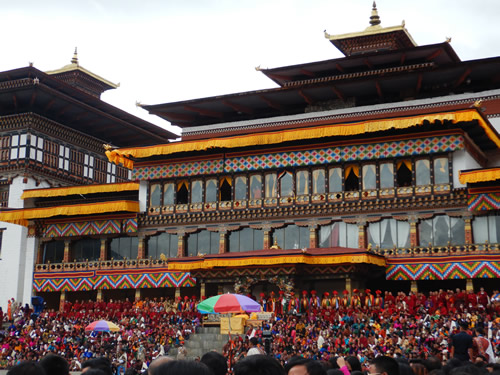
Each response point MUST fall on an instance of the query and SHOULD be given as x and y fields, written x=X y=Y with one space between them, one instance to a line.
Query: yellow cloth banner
x=237 y=325
x=491 y=174
x=85 y=189
x=22 y=216
x=346 y=129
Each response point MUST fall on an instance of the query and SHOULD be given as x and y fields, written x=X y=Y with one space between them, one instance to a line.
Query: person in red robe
x=369 y=299
x=345 y=299
x=314 y=301
x=355 y=299
x=471 y=300
x=271 y=303
x=379 y=300
x=279 y=304
x=304 y=303
x=292 y=303
x=483 y=299
x=325 y=301
x=335 y=301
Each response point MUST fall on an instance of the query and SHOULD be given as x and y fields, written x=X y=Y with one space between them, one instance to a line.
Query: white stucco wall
x=143 y=195
x=462 y=160
x=18 y=251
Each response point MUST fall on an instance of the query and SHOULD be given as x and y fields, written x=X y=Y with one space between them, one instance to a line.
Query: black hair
x=101 y=363
x=54 y=364
x=27 y=368
x=258 y=365
x=215 y=362
x=183 y=367
x=386 y=364
x=353 y=363
x=95 y=371
x=313 y=367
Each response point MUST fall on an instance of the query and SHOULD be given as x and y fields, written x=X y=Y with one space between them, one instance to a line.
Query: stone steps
x=205 y=339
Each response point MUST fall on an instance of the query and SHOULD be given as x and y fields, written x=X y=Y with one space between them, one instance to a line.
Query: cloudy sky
x=165 y=50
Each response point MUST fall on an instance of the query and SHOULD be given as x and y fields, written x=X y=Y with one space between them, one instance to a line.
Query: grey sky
x=162 y=51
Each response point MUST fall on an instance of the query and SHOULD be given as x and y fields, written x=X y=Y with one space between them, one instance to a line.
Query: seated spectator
x=183 y=367
x=258 y=365
x=215 y=362
x=27 y=368
x=55 y=364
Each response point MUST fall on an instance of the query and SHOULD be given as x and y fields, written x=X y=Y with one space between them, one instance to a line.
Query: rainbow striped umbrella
x=228 y=303
x=102 y=326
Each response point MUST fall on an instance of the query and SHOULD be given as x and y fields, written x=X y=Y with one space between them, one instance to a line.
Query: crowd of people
x=415 y=327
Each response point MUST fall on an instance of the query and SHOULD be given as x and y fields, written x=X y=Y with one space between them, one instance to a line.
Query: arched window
x=271 y=188
x=335 y=180
x=211 y=190
x=86 y=249
x=240 y=188
x=292 y=237
x=196 y=191
x=168 y=193
x=389 y=233
x=486 y=228
x=302 y=182
x=440 y=230
x=246 y=239
x=53 y=252
x=202 y=242
x=422 y=172
x=441 y=171
x=318 y=181
x=124 y=247
x=386 y=175
x=155 y=195
x=286 y=184
x=403 y=173
x=255 y=186
x=339 y=234
x=369 y=177
x=164 y=243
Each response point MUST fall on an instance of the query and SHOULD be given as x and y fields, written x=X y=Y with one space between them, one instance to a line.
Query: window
x=124 y=247
x=18 y=146
x=53 y=252
x=204 y=242
x=271 y=188
x=292 y=237
x=36 y=148
x=246 y=239
x=88 y=168
x=318 y=181
x=351 y=174
x=255 y=186
x=335 y=180
x=486 y=228
x=389 y=233
x=64 y=155
x=422 y=172
x=286 y=184
x=225 y=185
x=339 y=234
x=86 y=249
x=211 y=190
x=155 y=195
x=403 y=173
x=369 y=177
x=163 y=243
x=386 y=175
x=441 y=171
x=168 y=193
x=442 y=229
x=196 y=191
x=111 y=173
x=182 y=192
x=240 y=188
x=302 y=182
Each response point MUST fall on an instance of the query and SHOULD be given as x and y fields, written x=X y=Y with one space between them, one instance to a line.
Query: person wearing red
x=483 y=299
x=292 y=303
x=279 y=304
x=262 y=301
x=314 y=301
x=304 y=303
x=369 y=299
x=471 y=300
x=345 y=299
x=379 y=300
x=325 y=301
x=335 y=301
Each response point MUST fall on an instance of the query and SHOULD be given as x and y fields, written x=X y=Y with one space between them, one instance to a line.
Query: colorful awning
x=85 y=189
x=479 y=175
x=22 y=216
x=268 y=138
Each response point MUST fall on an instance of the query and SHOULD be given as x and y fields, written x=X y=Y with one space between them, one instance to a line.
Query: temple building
x=52 y=129
x=376 y=170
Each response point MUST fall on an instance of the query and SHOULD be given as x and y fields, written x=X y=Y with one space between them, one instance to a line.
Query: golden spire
x=74 y=60
x=374 y=18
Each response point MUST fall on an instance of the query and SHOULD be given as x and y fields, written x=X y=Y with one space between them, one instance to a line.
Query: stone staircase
x=205 y=339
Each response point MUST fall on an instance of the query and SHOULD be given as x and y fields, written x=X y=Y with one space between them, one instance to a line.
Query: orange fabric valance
x=346 y=129
x=75 y=190
x=405 y=162
x=490 y=174
x=354 y=168
x=22 y=216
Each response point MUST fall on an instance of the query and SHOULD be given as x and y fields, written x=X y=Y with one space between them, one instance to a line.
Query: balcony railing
x=91 y=265
x=423 y=251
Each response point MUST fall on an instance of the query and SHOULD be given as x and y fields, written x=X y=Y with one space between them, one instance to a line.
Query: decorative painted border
x=91 y=228
x=71 y=282
x=327 y=155
x=484 y=202
x=437 y=270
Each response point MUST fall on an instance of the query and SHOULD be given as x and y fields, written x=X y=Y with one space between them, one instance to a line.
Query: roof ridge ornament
x=74 y=60
x=374 y=18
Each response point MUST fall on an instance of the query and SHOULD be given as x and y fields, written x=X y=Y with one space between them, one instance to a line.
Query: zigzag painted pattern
x=328 y=155
x=484 y=202
x=83 y=228
x=444 y=271
x=127 y=281
x=130 y=226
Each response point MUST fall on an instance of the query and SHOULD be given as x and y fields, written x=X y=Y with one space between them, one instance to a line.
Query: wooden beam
x=239 y=107
x=33 y=98
x=433 y=55
x=339 y=68
x=271 y=103
x=204 y=112
x=462 y=78
x=307 y=73
x=306 y=97
x=368 y=63
x=279 y=77
x=14 y=100
x=419 y=83
x=402 y=59
x=338 y=93
x=49 y=105
x=64 y=109
x=175 y=116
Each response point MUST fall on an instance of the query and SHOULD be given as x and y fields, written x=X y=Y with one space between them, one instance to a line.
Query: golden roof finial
x=374 y=18
x=74 y=60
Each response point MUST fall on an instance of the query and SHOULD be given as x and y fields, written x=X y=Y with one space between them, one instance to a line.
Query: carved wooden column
x=348 y=285
x=267 y=237
x=62 y=300
x=202 y=290
x=469 y=238
x=469 y=286
x=181 y=244
x=414 y=286
x=141 y=247
x=104 y=249
x=313 y=236
x=362 y=234
x=39 y=252
x=223 y=241
x=99 y=295
x=66 y=256
x=413 y=231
